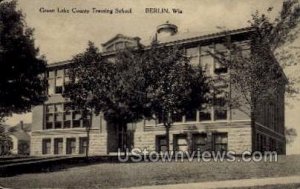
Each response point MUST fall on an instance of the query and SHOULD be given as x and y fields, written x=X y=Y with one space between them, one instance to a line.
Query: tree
x=138 y=84
x=5 y=141
x=257 y=75
x=175 y=86
x=21 y=75
x=115 y=89
x=127 y=94
x=290 y=134
x=5 y=144
x=88 y=71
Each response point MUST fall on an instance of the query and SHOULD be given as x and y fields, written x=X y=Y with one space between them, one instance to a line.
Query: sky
x=60 y=36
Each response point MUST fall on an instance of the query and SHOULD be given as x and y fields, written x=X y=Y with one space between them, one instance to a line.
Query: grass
x=108 y=175
x=285 y=186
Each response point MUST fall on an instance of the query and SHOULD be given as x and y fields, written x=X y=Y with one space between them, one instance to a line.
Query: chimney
x=22 y=125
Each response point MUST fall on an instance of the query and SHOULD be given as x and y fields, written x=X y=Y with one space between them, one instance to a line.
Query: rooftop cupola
x=165 y=30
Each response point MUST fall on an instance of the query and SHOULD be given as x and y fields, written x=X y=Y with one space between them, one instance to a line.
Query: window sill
x=62 y=129
x=192 y=122
x=57 y=94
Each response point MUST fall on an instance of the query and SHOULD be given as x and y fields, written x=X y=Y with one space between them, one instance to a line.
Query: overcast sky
x=60 y=36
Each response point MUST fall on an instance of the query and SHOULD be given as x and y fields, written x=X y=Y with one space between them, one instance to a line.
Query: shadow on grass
x=53 y=164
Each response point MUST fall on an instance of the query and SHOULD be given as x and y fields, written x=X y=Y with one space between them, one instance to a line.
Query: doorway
x=119 y=137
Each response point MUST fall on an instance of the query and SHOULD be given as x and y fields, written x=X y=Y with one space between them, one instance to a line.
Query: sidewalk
x=229 y=183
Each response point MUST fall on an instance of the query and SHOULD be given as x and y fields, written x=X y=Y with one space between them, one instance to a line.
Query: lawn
x=286 y=186
x=108 y=175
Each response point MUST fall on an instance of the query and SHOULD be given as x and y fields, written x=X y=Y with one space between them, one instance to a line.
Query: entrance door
x=122 y=137
x=119 y=138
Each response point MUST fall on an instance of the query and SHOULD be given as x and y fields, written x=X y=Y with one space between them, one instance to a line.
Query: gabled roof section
x=120 y=41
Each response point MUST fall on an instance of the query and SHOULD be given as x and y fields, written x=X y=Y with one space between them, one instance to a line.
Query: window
x=76 y=118
x=58 y=146
x=222 y=51
x=46 y=146
x=51 y=86
x=67 y=77
x=63 y=116
x=206 y=63
x=219 y=100
x=205 y=49
x=59 y=86
x=119 y=45
x=67 y=116
x=161 y=143
x=111 y=59
x=205 y=115
x=191 y=116
x=86 y=122
x=161 y=118
x=220 y=105
x=220 y=68
x=58 y=116
x=220 y=142
x=177 y=117
x=221 y=47
x=190 y=52
x=49 y=116
x=181 y=143
x=219 y=109
x=57 y=80
x=193 y=54
x=83 y=142
x=71 y=146
x=199 y=142
x=220 y=114
x=206 y=60
x=51 y=74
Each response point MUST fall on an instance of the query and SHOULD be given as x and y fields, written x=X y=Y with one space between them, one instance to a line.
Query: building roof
x=119 y=36
x=60 y=63
x=180 y=38
x=192 y=36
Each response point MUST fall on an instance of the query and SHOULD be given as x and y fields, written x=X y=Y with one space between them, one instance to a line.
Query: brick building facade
x=58 y=130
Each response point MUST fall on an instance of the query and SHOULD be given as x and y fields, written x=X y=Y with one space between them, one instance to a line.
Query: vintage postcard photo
x=149 y=94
